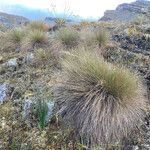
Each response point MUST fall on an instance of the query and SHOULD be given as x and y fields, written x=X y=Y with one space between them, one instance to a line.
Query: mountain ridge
x=128 y=11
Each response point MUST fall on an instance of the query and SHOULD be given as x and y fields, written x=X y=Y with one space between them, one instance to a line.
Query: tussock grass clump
x=98 y=37
x=104 y=102
x=35 y=37
x=16 y=35
x=67 y=36
x=87 y=37
x=38 y=25
x=101 y=37
x=11 y=40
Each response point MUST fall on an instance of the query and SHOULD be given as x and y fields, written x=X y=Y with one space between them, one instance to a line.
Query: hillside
x=9 y=20
x=48 y=76
x=83 y=86
x=128 y=12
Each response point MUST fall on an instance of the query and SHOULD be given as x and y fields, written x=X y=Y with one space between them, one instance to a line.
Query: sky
x=83 y=8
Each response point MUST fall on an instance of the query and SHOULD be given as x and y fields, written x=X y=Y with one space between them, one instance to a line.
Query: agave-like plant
x=104 y=102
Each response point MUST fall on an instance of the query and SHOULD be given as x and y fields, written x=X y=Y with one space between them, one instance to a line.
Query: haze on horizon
x=83 y=8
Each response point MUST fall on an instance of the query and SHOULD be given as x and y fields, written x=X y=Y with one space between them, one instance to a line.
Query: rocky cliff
x=127 y=12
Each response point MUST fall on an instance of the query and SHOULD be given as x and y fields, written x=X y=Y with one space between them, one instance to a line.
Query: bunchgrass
x=101 y=37
x=38 y=25
x=69 y=37
x=94 y=37
x=37 y=36
x=33 y=38
x=87 y=37
x=103 y=101
x=11 y=40
x=16 y=35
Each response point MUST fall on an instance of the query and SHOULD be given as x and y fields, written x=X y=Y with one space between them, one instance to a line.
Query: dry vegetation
x=97 y=101
x=105 y=102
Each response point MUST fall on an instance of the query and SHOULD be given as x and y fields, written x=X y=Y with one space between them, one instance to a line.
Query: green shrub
x=67 y=36
x=104 y=102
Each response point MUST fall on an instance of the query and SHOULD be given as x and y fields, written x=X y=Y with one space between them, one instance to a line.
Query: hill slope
x=10 y=21
x=127 y=12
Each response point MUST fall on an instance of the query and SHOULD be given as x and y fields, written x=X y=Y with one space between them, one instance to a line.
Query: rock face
x=11 y=21
x=127 y=12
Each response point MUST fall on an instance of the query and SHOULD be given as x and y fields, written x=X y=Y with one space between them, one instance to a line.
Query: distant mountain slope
x=10 y=21
x=34 y=14
x=127 y=12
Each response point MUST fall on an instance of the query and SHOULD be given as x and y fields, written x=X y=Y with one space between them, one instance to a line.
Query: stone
x=12 y=63
x=27 y=109
x=136 y=147
x=29 y=57
x=50 y=105
x=3 y=92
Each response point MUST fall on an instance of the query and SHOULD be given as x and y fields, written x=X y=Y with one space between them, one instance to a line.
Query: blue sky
x=83 y=8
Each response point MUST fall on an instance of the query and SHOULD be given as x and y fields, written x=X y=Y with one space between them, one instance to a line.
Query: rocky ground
x=28 y=72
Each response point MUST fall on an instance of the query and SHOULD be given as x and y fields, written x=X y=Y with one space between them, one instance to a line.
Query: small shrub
x=38 y=25
x=104 y=102
x=68 y=37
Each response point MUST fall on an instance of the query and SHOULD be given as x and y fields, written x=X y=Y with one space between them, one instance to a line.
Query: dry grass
x=101 y=37
x=69 y=37
x=11 y=40
x=38 y=25
x=104 y=102
x=97 y=37
x=87 y=37
x=34 y=38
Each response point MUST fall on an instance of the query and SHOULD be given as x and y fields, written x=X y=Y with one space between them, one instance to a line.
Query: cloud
x=84 y=8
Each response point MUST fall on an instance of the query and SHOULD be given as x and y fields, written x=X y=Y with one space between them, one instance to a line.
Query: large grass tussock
x=38 y=25
x=104 y=102
x=69 y=37
x=96 y=37
x=35 y=38
x=11 y=39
